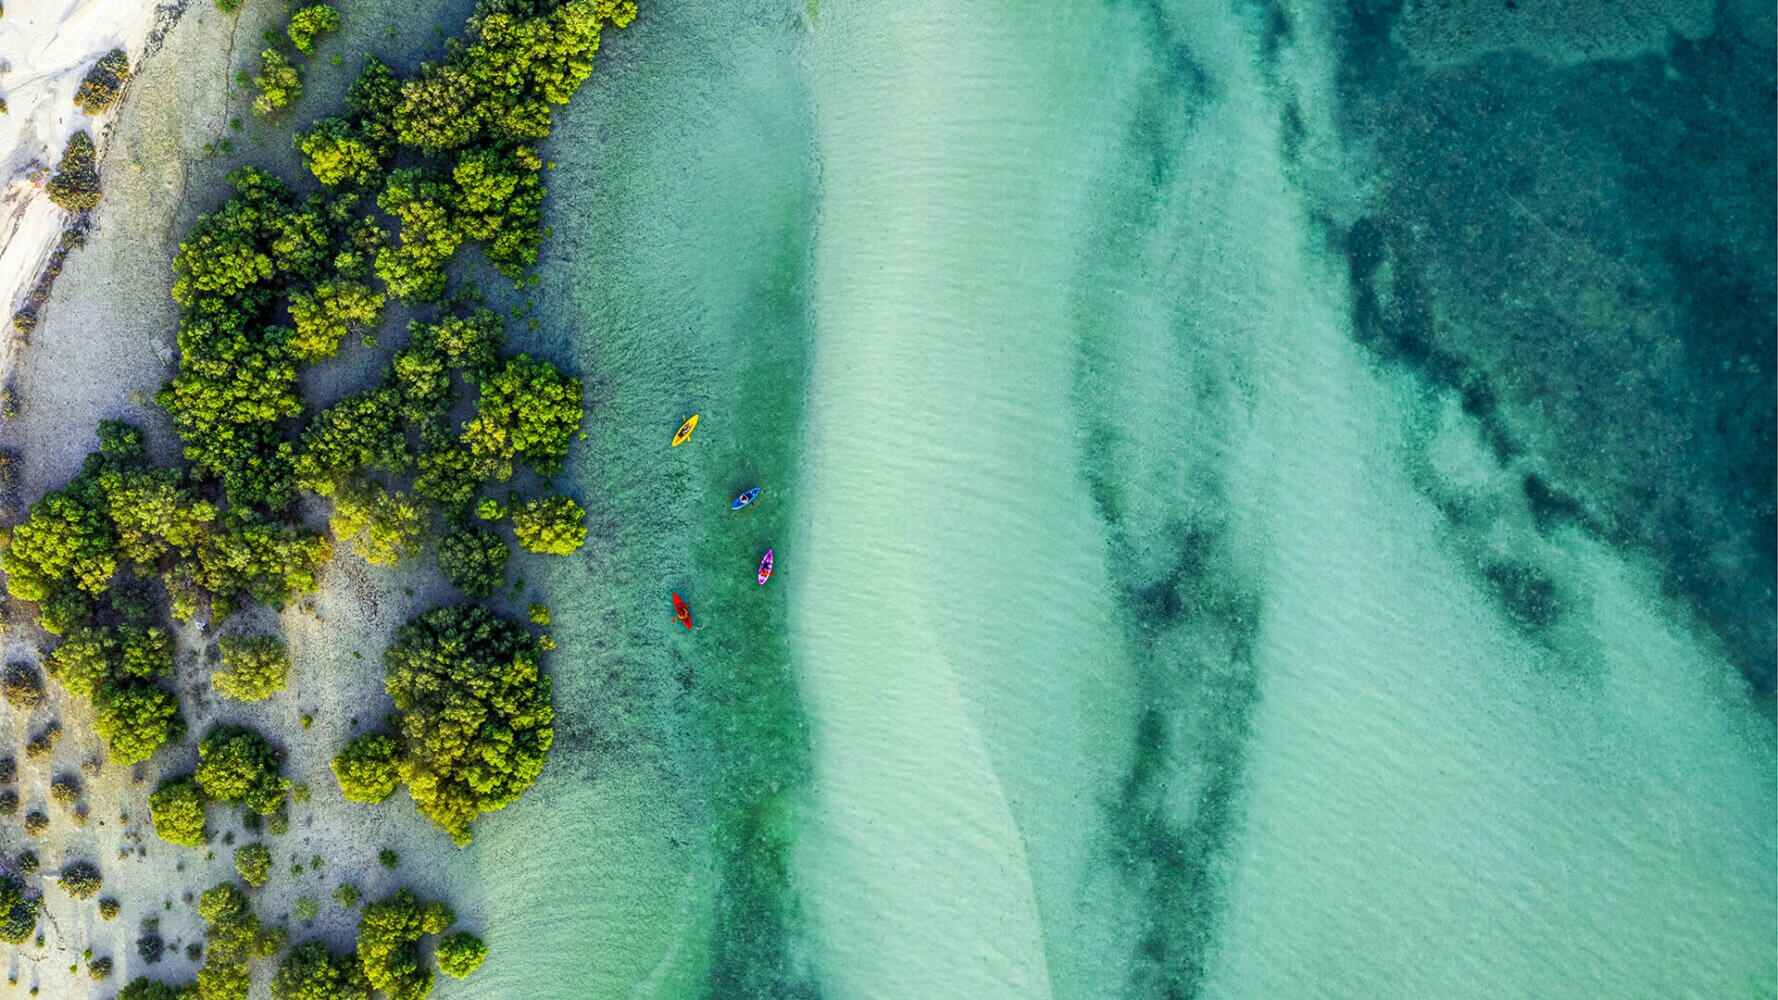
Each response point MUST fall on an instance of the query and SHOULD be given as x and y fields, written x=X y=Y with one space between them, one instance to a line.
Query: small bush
x=44 y=743
x=151 y=947
x=539 y=614
x=347 y=895
x=278 y=81
x=9 y=803
x=22 y=686
x=99 y=968
x=367 y=769
x=304 y=909
x=551 y=525
x=35 y=823
x=75 y=187
x=388 y=858
x=109 y=908
x=177 y=808
x=253 y=669
x=254 y=862
x=460 y=954
x=65 y=789
x=27 y=863
x=103 y=85
x=309 y=22
x=80 y=880
x=9 y=769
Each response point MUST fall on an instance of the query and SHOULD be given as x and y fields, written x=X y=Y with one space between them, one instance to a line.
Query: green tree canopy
x=253 y=668
x=550 y=524
x=18 y=914
x=253 y=862
x=460 y=954
x=527 y=410
x=383 y=527
x=311 y=972
x=177 y=808
x=308 y=22
x=237 y=766
x=388 y=934
x=474 y=711
x=368 y=769
x=473 y=559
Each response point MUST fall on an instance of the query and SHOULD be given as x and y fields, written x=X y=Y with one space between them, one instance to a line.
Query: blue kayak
x=744 y=499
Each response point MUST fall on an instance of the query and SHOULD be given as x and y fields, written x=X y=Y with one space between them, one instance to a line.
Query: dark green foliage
x=308 y=22
x=109 y=908
x=368 y=769
x=99 y=968
x=117 y=666
x=177 y=808
x=75 y=187
x=551 y=525
x=144 y=988
x=388 y=858
x=474 y=713
x=150 y=947
x=80 y=879
x=389 y=932
x=253 y=668
x=35 y=823
x=103 y=85
x=18 y=915
x=9 y=802
x=474 y=560
x=136 y=719
x=352 y=150
x=460 y=954
x=447 y=475
x=360 y=432
x=155 y=515
x=519 y=59
x=237 y=766
x=311 y=972
x=413 y=270
x=527 y=410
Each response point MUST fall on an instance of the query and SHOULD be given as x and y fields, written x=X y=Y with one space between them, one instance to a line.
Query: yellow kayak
x=685 y=429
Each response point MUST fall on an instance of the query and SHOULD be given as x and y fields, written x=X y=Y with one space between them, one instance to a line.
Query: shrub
x=388 y=858
x=142 y=987
x=311 y=972
x=388 y=934
x=9 y=769
x=234 y=934
x=36 y=822
x=278 y=81
x=99 y=968
x=324 y=316
x=254 y=863
x=359 y=432
x=44 y=743
x=75 y=187
x=18 y=915
x=27 y=863
x=309 y=22
x=473 y=559
x=80 y=880
x=304 y=909
x=22 y=686
x=460 y=954
x=539 y=614
x=150 y=947
x=474 y=713
x=104 y=83
x=551 y=525
x=527 y=410
x=368 y=769
x=253 y=669
x=384 y=527
x=65 y=789
x=136 y=719
x=177 y=808
x=347 y=895
x=109 y=908
x=9 y=803
x=237 y=766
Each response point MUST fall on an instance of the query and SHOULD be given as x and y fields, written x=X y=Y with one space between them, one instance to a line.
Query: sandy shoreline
x=46 y=48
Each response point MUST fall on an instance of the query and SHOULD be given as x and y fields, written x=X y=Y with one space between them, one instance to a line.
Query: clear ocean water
x=1270 y=500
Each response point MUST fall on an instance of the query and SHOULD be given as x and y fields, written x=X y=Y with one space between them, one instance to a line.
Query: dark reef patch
x=1586 y=254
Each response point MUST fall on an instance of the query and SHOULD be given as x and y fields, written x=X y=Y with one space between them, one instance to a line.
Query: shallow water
x=1192 y=579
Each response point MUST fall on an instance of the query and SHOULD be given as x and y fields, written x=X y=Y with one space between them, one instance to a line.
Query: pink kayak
x=765 y=568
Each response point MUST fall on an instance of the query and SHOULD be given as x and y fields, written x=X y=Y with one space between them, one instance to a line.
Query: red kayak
x=681 y=611
x=765 y=568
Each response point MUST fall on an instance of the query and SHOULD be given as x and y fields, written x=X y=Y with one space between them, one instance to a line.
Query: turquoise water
x=1269 y=502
